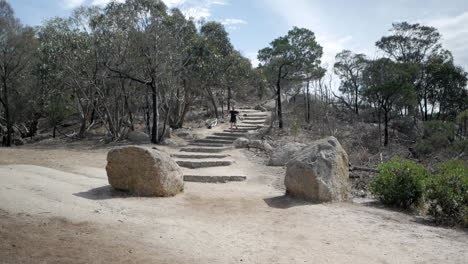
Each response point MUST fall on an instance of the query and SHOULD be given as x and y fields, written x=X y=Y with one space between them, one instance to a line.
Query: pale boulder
x=319 y=172
x=144 y=171
x=282 y=154
x=138 y=137
x=241 y=142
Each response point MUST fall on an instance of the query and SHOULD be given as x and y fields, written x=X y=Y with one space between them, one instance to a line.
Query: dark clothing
x=233 y=116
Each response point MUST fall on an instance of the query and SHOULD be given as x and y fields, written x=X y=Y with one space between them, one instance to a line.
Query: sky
x=338 y=24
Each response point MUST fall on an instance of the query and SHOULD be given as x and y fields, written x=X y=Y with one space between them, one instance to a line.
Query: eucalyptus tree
x=290 y=57
x=237 y=76
x=214 y=59
x=388 y=86
x=349 y=68
x=446 y=87
x=418 y=44
x=147 y=44
x=17 y=44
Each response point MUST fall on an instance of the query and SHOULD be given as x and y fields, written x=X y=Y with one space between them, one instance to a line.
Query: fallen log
x=354 y=168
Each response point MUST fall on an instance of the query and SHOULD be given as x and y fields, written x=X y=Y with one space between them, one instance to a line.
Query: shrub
x=437 y=135
x=448 y=192
x=424 y=147
x=460 y=147
x=399 y=183
x=439 y=129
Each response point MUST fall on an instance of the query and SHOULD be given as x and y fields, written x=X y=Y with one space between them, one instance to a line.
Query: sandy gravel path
x=56 y=207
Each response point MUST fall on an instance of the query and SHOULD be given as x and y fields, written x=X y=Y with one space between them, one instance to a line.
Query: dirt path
x=56 y=207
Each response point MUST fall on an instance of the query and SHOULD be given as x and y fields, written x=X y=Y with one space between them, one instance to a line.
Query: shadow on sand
x=103 y=193
x=285 y=202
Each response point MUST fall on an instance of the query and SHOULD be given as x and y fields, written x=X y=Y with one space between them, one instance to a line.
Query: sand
x=57 y=207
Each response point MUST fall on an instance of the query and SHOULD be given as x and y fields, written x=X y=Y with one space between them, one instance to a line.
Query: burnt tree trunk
x=278 y=93
x=6 y=106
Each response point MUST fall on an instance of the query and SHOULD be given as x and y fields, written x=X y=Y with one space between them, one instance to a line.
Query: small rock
x=138 y=137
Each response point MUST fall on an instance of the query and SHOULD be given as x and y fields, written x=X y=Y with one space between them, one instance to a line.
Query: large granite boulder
x=144 y=171
x=138 y=137
x=241 y=142
x=257 y=144
x=319 y=172
x=282 y=154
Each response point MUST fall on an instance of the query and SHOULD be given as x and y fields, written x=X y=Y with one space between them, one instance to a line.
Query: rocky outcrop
x=319 y=172
x=138 y=137
x=241 y=143
x=282 y=154
x=247 y=143
x=144 y=171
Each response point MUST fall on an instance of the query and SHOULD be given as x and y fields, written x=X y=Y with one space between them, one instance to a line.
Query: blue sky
x=338 y=24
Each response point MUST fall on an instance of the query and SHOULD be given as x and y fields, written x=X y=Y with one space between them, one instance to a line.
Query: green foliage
x=296 y=126
x=349 y=67
x=448 y=192
x=462 y=117
x=58 y=109
x=399 y=183
x=436 y=127
x=437 y=135
x=460 y=147
x=294 y=57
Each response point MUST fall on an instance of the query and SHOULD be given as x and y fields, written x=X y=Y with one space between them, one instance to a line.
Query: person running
x=233 y=120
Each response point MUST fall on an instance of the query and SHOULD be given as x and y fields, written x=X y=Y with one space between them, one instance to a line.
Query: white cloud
x=72 y=3
x=196 y=9
x=197 y=13
x=105 y=2
x=454 y=31
x=173 y=3
x=304 y=13
x=233 y=21
x=252 y=56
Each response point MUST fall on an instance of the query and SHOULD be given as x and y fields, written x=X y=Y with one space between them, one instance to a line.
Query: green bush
x=460 y=147
x=448 y=192
x=437 y=135
x=399 y=183
x=439 y=129
x=424 y=147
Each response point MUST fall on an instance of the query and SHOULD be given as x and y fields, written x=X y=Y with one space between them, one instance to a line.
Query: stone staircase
x=205 y=160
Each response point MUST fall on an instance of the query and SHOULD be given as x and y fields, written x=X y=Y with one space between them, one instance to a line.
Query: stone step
x=255 y=115
x=237 y=130
x=254 y=122
x=214 y=145
x=249 y=126
x=229 y=134
x=203 y=164
x=195 y=156
x=231 y=138
x=215 y=141
x=203 y=150
x=213 y=179
x=253 y=118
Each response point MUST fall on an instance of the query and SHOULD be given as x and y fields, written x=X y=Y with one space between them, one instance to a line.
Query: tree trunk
x=229 y=99
x=425 y=109
x=278 y=93
x=7 y=143
x=180 y=124
x=213 y=102
x=356 y=106
x=386 y=127
x=155 y=127
x=83 y=127
x=308 y=102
